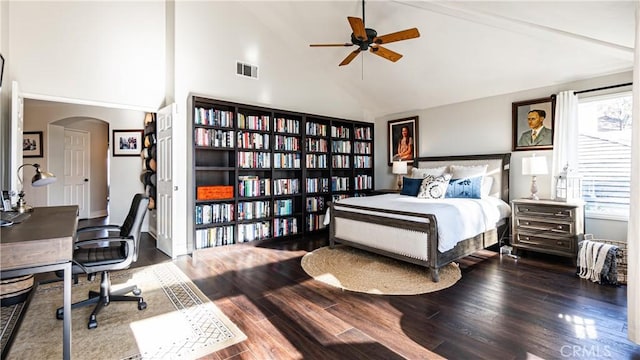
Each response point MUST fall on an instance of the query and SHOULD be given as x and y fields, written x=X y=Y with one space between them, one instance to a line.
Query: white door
x=164 y=174
x=17 y=123
x=76 y=170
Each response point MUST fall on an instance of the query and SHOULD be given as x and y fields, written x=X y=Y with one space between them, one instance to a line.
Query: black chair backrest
x=132 y=224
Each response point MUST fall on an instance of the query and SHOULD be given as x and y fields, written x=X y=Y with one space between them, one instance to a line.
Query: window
x=604 y=154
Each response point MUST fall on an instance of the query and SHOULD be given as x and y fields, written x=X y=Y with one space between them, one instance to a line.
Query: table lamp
x=534 y=166
x=41 y=178
x=399 y=168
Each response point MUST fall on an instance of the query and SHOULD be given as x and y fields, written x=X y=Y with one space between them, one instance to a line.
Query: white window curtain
x=633 y=228
x=565 y=135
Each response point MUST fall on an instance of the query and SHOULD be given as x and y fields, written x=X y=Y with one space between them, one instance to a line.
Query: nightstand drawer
x=541 y=225
x=558 y=213
x=565 y=245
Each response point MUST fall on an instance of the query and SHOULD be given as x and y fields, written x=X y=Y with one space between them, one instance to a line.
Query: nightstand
x=547 y=226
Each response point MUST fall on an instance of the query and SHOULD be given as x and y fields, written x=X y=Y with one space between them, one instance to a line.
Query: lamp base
x=22 y=206
x=534 y=189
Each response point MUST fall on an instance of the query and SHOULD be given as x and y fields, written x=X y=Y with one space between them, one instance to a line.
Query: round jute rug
x=361 y=271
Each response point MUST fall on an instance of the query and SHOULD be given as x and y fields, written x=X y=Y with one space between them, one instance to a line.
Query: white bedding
x=458 y=219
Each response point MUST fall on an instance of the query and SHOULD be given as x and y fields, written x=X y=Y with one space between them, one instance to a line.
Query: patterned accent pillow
x=466 y=188
x=434 y=187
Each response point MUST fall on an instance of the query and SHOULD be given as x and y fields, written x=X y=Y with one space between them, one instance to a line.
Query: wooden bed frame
x=428 y=226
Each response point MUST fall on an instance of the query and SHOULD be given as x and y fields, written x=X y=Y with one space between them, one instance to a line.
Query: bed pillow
x=467 y=171
x=487 y=183
x=418 y=173
x=434 y=187
x=466 y=188
x=410 y=186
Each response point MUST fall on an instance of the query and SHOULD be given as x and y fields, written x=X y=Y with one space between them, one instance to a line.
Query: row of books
x=341 y=146
x=363 y=182
x=285 y=226
x=283 y=207
x=214 y=137
x=214 y=213
x=253 y=122
x=286 y=186
x=317 y=161
x=315 y=185
x=319 y=145
x=362 y=133
x=316 y=129
x=249 y=186
x=339 y=183
x=254 y=231
x=286 y=161
x=287 y=143
x=213 y=117
x=362 y=162
x=252 y=140
x=340 y=161
x=286 y=125
x=315 y=203
x=315 y=222
x=249 y=210
x=254 y=160
x=215 y=236
x=337 y=197
x=362 y=148
x=340 y=132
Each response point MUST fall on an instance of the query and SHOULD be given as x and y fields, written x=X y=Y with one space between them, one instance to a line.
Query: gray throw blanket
x=597 y=262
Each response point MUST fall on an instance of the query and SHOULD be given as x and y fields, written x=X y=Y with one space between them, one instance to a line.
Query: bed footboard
x=408 y=236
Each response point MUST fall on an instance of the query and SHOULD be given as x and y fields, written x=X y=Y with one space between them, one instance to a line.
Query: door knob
x=86 y=180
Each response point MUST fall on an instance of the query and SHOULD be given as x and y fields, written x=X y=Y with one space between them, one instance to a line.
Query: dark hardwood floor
x=502 y=308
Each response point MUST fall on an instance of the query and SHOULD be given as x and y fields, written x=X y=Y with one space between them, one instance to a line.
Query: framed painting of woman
x=403 y=139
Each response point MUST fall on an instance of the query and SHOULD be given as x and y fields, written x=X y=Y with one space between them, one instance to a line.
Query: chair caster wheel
x=142 y=305
x=60 y=314
x=136 y=292
x=92 y=323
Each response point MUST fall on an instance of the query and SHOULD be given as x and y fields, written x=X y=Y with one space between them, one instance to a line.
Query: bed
x=428 y=232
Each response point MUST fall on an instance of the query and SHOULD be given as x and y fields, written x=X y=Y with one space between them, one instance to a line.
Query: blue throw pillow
x=468 y=188
x=410 y=186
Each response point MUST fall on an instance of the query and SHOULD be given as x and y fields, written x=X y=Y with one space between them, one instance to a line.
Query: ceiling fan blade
x=321 y=45
x=385 y=53
x=357 y=25
x=352 y=55
x=397 y=36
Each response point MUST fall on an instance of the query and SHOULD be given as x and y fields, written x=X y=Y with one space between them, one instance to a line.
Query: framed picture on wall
x=403 y=139
x=533 y=123
x=127 y=142
x=32 y=144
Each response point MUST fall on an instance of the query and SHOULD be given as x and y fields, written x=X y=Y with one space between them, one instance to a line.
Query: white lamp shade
x=535 y=165
x=399 y=167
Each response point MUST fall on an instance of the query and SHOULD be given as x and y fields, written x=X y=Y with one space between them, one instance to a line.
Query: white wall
x=107 y=51
x=484 y=127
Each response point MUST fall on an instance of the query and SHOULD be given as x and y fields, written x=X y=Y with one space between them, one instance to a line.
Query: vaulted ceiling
x=467 y=49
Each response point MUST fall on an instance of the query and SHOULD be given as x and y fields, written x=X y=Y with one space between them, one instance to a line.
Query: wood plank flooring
x=502 y=308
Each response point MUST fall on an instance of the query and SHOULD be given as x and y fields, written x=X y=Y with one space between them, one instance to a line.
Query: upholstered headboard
x=497 y=168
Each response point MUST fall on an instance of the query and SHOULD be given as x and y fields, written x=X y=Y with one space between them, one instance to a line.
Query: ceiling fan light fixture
x=366 y=38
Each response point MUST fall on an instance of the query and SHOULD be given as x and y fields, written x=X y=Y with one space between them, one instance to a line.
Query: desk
x=43 y=243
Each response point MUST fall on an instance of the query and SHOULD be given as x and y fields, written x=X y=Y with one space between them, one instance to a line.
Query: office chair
x=105 y=254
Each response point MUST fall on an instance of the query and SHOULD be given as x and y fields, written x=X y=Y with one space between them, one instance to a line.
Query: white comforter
x=458 y=219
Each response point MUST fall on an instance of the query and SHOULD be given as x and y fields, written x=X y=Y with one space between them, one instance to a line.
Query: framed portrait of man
x=403 y=139
x=533 y=123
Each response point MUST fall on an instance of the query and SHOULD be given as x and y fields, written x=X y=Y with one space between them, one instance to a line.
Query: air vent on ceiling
x=247 y=70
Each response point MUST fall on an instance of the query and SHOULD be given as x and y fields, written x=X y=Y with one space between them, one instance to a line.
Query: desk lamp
x=41 y=178
x=534 y=166
x=399 y=168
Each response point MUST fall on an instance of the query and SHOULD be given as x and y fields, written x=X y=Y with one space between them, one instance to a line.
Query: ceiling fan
x=366 y=38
